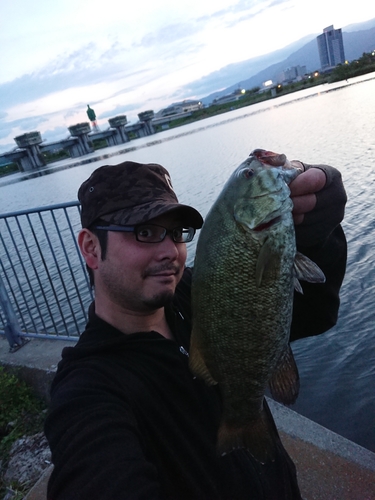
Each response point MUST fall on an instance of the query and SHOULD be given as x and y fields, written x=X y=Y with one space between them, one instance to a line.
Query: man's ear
x=90 y=248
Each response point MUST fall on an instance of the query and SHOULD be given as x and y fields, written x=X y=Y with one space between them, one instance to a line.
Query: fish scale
x=242 y=298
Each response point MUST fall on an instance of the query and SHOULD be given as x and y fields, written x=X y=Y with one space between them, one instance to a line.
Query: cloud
x=122 y=69
x=28 y=123
x=25 y=124
x=93 y=65
x=233 y=74
x=167 y=34
x=56 y=134
x=119 y=110
x=241 y=11
x=75 y=69
x=4 y=132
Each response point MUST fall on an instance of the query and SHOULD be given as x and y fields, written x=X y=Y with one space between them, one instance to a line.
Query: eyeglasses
x=152 y=233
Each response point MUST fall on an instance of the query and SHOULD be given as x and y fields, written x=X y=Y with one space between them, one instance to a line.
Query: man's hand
x=319 y=200
x=302 y=192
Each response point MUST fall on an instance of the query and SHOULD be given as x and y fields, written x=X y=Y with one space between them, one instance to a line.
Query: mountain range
x=357 y=38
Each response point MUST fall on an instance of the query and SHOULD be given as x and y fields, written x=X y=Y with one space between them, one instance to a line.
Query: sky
x=121 y=57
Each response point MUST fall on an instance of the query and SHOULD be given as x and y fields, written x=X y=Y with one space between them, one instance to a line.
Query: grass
x=11 y=168
x=21 y=414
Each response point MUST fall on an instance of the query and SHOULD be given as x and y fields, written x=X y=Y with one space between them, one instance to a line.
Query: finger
x=303 y=204
x=298 y=219
x=311 y=181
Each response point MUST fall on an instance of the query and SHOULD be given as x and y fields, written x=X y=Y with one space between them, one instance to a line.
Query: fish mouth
x=268 y=224
x=269 y=157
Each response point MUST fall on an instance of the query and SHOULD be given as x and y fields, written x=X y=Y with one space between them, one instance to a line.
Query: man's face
x=141 y=276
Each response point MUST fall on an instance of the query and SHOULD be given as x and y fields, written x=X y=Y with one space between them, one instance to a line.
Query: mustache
x=167 y=267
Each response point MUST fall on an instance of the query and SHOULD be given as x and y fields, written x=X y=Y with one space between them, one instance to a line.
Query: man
x=128 y=420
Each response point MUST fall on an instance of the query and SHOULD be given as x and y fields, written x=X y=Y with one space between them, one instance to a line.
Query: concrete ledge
x=323 y=475
x=299 y=427
x=329 y=466
x=35 y=362
x=39 y=490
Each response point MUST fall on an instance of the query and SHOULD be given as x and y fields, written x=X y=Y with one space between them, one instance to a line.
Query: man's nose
x=169 y=247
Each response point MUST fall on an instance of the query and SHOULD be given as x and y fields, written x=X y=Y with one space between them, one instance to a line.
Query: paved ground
x=329 y=466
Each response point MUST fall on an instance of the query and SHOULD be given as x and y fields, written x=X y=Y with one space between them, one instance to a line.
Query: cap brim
x=190 y=217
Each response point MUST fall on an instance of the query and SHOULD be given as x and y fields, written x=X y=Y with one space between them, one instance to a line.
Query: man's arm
x=319 y=201
x=95 y=441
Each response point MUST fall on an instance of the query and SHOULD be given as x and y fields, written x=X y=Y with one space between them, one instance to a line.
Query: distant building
x=295 y=73
x=331 y=48
x=267 y=85
x=175 y=111
x=180 y=107
x=234 y=96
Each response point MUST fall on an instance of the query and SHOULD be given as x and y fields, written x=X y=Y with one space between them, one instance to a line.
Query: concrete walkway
x=329 y=466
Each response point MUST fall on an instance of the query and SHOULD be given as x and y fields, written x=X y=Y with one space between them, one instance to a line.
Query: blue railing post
x=12 y=330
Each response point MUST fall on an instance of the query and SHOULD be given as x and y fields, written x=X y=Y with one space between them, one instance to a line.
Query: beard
x=118 y=287
x=160 y=300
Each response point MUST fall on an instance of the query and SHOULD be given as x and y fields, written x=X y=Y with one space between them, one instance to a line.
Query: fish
x=246 y=268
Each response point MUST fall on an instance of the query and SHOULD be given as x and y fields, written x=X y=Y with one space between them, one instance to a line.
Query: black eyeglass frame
x=187 y=233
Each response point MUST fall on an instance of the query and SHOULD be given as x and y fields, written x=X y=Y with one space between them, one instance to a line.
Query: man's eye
x=178 y=233
x=145 y=232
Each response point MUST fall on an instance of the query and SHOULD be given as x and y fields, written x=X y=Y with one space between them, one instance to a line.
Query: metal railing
x=44 y=286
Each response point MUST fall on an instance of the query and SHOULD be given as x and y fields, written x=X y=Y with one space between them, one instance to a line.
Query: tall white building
x=331 y=48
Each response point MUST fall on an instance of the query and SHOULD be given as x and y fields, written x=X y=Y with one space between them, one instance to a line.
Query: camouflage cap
x=131 y=193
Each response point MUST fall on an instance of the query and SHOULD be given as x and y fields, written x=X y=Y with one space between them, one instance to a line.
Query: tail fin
x=259 y=437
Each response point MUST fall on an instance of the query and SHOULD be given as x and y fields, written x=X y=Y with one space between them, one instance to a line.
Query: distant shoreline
x=99 y=154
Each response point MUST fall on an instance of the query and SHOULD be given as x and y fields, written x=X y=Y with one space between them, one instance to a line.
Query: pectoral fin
x=306 y=270
x=267 y=259
x=297 y=285
x=197 y=364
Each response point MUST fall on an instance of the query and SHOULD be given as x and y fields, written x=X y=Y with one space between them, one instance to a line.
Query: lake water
x=332 y=124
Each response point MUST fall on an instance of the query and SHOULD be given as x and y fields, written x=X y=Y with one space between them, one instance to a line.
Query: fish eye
x=249 y=172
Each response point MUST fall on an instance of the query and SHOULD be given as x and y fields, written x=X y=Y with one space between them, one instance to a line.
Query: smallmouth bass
x=245 y=270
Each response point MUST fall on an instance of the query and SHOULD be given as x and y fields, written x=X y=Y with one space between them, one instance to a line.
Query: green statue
x=92 y=117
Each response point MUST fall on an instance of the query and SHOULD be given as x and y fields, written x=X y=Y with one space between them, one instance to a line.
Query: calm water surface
x=330 y=124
